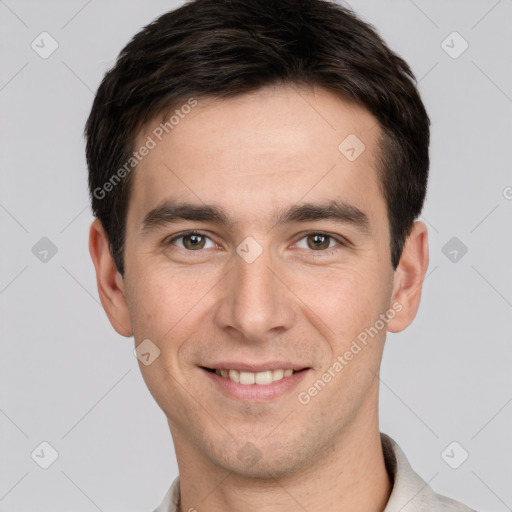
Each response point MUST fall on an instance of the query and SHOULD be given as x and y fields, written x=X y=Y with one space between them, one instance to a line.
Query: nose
x=255 y=304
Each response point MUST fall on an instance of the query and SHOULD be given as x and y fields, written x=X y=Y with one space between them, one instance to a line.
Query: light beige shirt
x=410 y=492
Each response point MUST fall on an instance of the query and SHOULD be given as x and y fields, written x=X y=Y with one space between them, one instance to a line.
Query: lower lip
x=256 y=392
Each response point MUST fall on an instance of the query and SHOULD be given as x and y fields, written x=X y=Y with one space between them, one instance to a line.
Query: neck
x=350 y=475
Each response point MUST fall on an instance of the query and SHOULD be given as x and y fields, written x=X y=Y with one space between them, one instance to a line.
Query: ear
x=110 y=283
x=409 y=276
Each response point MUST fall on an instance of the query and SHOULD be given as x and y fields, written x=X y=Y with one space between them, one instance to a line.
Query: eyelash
x=169 y=241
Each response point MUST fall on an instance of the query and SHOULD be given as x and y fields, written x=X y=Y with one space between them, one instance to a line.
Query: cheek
x=163 y=298
x=344 y=304
x=169 y=308
x=343 y=298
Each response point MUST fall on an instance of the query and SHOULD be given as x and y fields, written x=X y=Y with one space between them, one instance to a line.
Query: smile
x=263 y=378
x=261 y=386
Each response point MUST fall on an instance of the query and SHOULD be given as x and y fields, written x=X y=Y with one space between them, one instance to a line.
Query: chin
x=266 y=463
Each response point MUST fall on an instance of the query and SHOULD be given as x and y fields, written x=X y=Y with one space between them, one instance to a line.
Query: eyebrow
x=170 y=212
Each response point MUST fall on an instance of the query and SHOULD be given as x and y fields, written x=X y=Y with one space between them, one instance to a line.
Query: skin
x=250 y=154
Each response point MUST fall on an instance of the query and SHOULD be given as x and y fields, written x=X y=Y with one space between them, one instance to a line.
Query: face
x=287 y=267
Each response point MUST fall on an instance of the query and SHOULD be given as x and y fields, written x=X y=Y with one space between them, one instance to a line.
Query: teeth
x=277 y=374
x=248 y=378
x=264 y=377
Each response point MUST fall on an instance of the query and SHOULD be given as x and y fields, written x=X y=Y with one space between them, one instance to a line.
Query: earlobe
x=111 y=288
x=409 y=276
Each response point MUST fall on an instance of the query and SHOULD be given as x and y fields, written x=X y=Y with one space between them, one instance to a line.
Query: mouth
x=263 y=378
x=258 y=386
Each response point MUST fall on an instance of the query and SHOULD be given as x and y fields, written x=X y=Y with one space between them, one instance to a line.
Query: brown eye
x=193 y=241
x=318 y=241
x=190 y=241
x=321 y=243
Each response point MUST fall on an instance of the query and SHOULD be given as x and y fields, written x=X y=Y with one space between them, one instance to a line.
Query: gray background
x=66 y=377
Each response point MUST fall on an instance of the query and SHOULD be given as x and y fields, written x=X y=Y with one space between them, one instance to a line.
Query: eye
x=318 y=242
x=191 y=241
x=195 y=241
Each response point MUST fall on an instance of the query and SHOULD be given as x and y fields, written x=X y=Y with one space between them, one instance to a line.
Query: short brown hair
x=224 y=48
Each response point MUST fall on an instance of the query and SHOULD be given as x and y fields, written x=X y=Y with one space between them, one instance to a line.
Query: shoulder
x=171 y=499
x=410 y=492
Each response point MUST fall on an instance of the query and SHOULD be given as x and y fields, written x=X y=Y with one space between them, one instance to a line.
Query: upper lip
x=255 y=367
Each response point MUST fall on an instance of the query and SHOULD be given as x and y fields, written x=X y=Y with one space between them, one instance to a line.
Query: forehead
x=259 y=151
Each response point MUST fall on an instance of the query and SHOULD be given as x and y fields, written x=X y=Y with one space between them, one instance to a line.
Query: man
x=256 y=169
